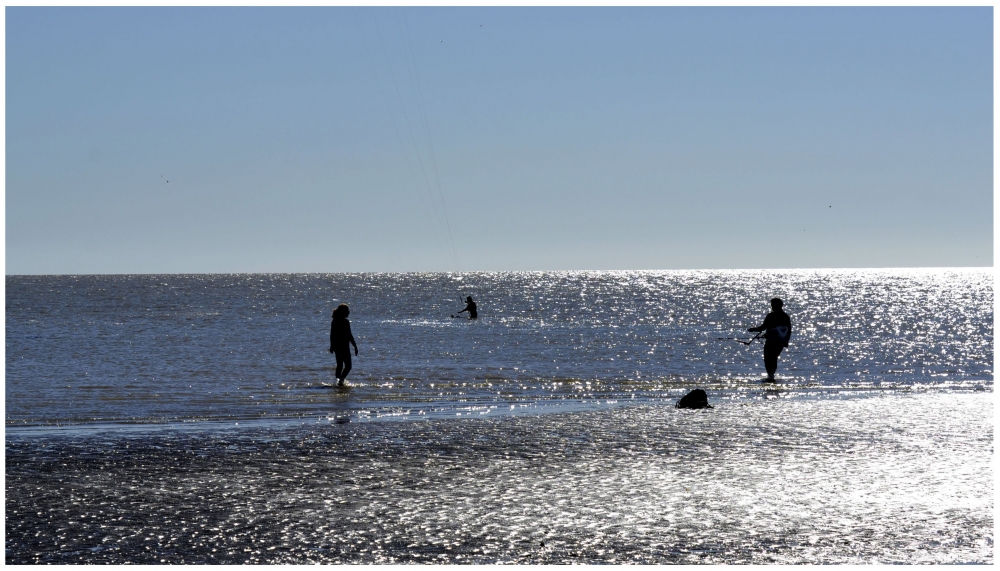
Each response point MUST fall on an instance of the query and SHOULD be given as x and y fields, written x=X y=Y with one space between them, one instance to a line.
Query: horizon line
x=879 y=268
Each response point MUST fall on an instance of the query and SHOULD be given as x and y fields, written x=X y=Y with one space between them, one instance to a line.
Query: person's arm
x=351 y=336
x=762 y=326
x=331 y=337
x=464 y=310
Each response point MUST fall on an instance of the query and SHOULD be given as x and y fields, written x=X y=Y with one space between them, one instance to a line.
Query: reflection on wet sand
x=893 y=479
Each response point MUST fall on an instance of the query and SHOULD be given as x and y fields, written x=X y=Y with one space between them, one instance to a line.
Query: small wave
x=418 y=322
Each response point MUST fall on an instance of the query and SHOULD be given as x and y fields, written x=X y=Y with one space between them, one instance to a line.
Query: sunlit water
x=190 y=419
x=142 y=349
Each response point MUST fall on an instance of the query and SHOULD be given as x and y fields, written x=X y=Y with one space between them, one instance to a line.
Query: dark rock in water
x=694 y=399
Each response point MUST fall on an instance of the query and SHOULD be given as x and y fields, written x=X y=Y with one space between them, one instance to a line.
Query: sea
x=196 y=418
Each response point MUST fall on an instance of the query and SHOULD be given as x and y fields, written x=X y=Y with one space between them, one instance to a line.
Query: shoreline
x=464 y=410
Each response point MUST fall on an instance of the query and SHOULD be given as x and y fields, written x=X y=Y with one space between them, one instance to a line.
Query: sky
x=346 y=139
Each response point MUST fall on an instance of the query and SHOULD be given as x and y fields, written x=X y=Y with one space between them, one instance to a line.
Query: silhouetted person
x=778 y=330
x=470 y=307
x=341 y=341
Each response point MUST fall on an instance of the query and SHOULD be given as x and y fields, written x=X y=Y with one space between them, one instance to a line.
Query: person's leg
x=340 y=366
x=771 y=360
x=347 y=365
x=343 y=365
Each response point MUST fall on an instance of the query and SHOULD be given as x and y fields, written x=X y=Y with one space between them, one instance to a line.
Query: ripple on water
x=242 y=347
x=892 y=479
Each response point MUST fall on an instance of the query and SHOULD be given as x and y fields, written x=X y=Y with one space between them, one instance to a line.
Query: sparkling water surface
x=86 y=350
x=191 y=419
x=884 y=479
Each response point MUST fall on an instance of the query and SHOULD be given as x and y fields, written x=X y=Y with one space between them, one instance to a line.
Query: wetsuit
x=340 y=345
x=471 y=308
x=778 y=328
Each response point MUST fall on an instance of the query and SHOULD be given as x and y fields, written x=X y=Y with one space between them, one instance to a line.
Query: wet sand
x=888 y=479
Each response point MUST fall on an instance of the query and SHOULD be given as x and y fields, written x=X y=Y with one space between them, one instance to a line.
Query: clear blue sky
x=410 y=139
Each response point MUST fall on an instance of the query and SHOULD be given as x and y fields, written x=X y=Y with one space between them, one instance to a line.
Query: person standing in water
x=470 y=307
x=777 y=328
x=341 y=341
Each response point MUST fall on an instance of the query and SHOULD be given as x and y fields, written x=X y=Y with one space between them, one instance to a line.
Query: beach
x=437 y=285
x=894 y=478
x=192 y=419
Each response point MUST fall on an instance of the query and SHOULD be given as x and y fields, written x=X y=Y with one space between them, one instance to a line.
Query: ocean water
x=86 y=351
x=191 y=419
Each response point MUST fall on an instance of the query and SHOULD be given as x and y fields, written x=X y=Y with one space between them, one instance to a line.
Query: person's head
x=468 y=299
x=342 y=311
x=776 y=303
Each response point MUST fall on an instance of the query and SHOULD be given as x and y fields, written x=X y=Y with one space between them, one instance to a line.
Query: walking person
x=341 y=340
x=777 y=328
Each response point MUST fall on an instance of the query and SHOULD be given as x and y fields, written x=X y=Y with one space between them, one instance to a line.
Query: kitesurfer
x=777 y=328
x=470 y=307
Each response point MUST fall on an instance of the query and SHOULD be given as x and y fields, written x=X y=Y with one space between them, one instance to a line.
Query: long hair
x=341 y=312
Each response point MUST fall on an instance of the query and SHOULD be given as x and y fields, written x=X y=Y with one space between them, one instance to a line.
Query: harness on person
x=779 y=333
